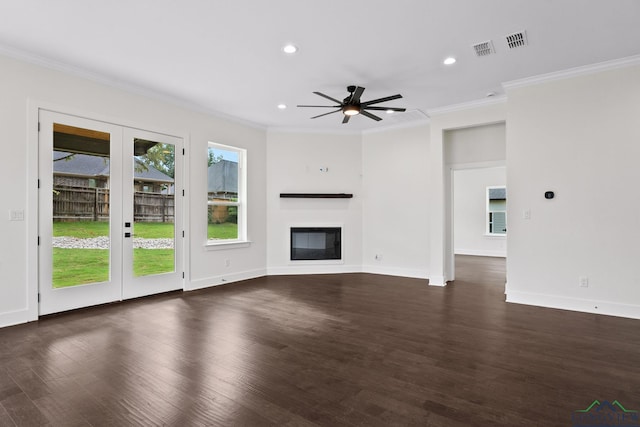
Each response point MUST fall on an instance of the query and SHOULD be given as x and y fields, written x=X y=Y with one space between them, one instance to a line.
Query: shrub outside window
x=226 y=203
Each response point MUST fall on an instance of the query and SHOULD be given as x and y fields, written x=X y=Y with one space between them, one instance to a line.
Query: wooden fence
x=92 y=204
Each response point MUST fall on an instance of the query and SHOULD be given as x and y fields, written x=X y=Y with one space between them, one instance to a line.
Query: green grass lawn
x=152 y=261
x=81 y=266
x=88 y=229
x=226 y=230
x=147 y=230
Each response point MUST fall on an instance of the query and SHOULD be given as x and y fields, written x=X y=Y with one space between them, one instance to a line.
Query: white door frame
x=117 y=144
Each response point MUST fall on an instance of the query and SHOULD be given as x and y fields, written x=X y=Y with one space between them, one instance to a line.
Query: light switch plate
x=16 y=215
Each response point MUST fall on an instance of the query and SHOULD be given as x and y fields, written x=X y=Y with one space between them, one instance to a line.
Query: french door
x=110 y=212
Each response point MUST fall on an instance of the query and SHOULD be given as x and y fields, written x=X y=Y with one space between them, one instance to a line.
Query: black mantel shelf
x=316 y=196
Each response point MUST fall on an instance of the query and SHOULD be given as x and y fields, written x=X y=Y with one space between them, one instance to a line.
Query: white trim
x=573 y=72
x=574 y=304
x=313 y=269
x=437 y=281
x=16 y=317
x=224 y=244
x=481 y=252
x=399 y=126
x=314 y=131
x=31 y=217
x=224 y=279
x=494 y=100
x=34 y=106
x=492 y=164
x=396 y=271
x=119 y=84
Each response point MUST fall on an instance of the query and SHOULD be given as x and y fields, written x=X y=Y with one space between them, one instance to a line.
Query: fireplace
x=316 y=243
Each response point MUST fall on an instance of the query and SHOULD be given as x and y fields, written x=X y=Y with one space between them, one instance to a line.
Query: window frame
x=488 y=217
x=240 y=203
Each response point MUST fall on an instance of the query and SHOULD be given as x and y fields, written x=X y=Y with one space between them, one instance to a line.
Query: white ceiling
x=226 y=57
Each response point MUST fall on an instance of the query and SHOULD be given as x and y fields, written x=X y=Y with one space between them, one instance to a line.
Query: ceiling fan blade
x=355 y=96
x=371 y=116
x=379 y=100
x=321 y=106
x=400 y=110
x=325 y=114
x=346 y=119
x=328 y=97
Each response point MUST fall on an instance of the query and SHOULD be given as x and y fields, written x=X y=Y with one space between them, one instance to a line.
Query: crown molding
x=114 y=83
x=399 y=126
x=574 y=72
x=315 y=131
x=494 y=100
x=424 y=120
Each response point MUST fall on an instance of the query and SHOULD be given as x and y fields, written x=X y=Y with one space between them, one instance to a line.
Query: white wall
x=475 y=145
x=576 y=136
x=470 y=212
x=579 y=137
x=295 y=160
x=490 y=111
x=24 y=87
x=396 y=202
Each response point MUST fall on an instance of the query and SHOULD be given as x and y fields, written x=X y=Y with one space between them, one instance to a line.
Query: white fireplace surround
x=320 y=261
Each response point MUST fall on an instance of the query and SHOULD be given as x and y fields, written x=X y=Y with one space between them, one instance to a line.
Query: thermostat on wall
x=549 y=195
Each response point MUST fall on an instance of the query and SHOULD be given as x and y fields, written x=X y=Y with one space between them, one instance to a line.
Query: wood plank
x=347 y=349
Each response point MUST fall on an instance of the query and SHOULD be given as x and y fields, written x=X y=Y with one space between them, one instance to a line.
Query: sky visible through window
x=232 y=156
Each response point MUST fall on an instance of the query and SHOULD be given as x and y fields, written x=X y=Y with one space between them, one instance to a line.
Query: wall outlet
x=526 y=214
x=378 y=257
x=583 y=281
x=227 y=263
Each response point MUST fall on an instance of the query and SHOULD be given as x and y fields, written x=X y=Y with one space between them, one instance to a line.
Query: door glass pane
x=81 y=235
x=153 y=208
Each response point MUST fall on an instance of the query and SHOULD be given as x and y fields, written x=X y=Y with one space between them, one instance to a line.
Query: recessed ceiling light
x=289 y=48
x=450 y=61
x=282 y=106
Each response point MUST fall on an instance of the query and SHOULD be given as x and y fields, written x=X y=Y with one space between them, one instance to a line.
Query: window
x=226 y=202
x=497 y=210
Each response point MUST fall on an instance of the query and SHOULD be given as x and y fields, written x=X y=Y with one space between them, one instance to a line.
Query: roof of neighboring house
x=497 y=194
x=94 y=166
x=223 y=177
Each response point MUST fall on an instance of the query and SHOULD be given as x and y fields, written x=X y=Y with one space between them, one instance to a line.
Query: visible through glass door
x=152 y=195
x=107 y=213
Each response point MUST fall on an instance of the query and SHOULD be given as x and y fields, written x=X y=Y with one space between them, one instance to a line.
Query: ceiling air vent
x=483 y=48
x=516 y=40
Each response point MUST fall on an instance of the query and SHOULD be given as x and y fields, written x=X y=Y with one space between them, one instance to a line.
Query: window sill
x=499 y=236
x=231 y=244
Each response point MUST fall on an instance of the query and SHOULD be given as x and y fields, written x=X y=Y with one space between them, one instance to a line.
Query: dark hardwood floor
x=329 y=350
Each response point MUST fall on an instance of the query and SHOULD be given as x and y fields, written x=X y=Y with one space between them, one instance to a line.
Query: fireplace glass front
x=315 y=243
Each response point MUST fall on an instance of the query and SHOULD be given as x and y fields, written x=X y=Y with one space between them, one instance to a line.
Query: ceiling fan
x=351 y=105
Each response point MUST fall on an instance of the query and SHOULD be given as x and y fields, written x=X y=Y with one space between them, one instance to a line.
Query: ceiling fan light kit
x=351 y=105
x=350 y=110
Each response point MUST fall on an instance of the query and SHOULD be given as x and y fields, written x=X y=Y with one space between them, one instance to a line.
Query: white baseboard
x=396 y=271
x=481 y=252
x=313 y=269
x=224 y=279
x=16 y=317
x=574 y=304
x=437 y=281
